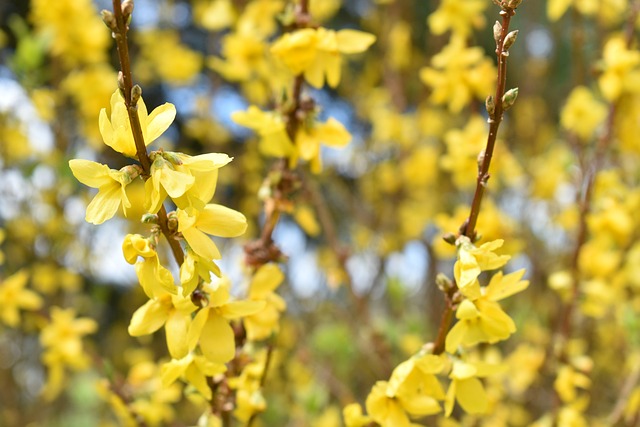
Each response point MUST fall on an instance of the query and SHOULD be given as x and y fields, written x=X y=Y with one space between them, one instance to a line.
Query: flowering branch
x=118 y=22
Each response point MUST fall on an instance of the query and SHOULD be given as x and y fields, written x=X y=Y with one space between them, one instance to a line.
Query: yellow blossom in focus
x=61 y=339
x=467 y=389
x=472 y=261
x=171 y=311
x=583 y=113
x=196 y=268
x=14 y=297
x=459 y=16
x=154 y=278
x=210 y=327
x=458 y=74
x=483 y=320
x=318 y=53
x=214 y=219
x=116 y=131
x=111 y=185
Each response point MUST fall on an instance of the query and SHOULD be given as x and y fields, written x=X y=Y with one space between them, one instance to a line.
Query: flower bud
x=127 y=8
x=509 y=40
x=509 y=99
x=497 y=31
x=149 y=218
x=108 y=19
x=136 y=93
x=449 y=238
x=121 y=82
x=513 y=4
x=172 y=157
x=490 y=104
x=444 y=283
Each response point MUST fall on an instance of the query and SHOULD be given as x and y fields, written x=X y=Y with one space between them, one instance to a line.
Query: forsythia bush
x=320 y=213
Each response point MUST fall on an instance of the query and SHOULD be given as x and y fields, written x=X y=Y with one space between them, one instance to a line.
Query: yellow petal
x=221 y=221
x=90 y=173
x=217 y=340
x=105 y=204
x=471 y=396
x=173 y=370
x=195 y=328
x=106 y=130
x=159 y=121
x=201 y=244
x=265 y=280
x=148 y=318
x=354 y=41
x=237 y=309
x=176 y=329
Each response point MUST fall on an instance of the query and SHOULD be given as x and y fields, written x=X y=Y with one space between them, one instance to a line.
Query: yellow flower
x=189 y=181
x=61 y=339
x=318 y=53
x=620 y=66
x=193 y=269
x=116 y=132
x=332 y=133
x=460 y=16
x=14 y=297
x=458 y=74
x=271 y=128
x=111 y=186
x=154 y=278
x=210 y=327
x=353 y=417
x=194 y=370
x=261 y=325
x=568 y=381
x=415 y=386
x=466 y=389
x=583 y=113
x=385 y=410
x=214 y=219
x=172 y=311
x=483 y=320
x=472 y=261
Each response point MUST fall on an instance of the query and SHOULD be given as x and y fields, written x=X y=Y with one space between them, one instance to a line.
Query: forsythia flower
x=332 y=133
x=61 y=339
x=111 y=186
x=620 y=69
x=194 y=370
x=265 y=281
x=458 y=15
x=14 y=297
x=466 y=388
x=117 y=133
x=195 y=268
x=210 y=327
x=214 y=219
x=154 y=278
x=271 y=128
x=188 y=180
x=172 y=311
x=318 y=53
x=482 y=320
x=583 y=113
x=472 y=261
x=458 y=74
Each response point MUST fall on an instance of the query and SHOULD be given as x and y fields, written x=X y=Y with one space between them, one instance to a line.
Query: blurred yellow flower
x=14 y=297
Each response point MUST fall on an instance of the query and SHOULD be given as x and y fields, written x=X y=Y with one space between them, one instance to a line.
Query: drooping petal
x=238 y=309
x=221 y=221
x=176 y=329
x=104 y=205
x=217 y=340
x=354 y=41
x=201 y=244
x=148 y=318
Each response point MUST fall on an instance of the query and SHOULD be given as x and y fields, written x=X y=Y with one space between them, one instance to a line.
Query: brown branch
x=495 y=118
x=120 y=30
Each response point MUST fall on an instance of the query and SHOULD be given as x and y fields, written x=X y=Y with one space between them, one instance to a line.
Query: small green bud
x=509 y=99
x=149 y=218
x=490 y=104
x=509 y=40
x=172 y=157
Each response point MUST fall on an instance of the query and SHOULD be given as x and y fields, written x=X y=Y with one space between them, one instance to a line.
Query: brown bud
x=127 y=8
x=449 y=238
x=490 y=104
x=136 y=93
x=121 y=82
x=509 y=40
x=497 y=31
x=108 y=19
